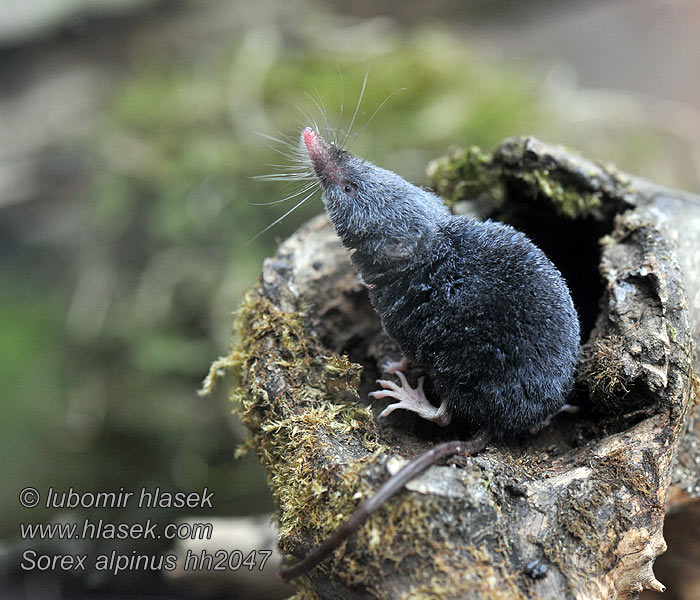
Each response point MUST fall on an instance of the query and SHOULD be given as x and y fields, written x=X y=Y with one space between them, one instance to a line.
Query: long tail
x=386 y=490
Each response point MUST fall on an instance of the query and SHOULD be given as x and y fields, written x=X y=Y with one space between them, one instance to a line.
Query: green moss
x=512 y=174
x=672 y=332
x=607 y=241
x=568 y=200
x=301 y=406
x=466 y=175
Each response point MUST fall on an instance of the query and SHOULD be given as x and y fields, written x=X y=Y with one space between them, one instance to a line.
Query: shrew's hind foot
x=412 y=399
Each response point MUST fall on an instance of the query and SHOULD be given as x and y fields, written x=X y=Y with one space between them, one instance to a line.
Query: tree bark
x=575 y=511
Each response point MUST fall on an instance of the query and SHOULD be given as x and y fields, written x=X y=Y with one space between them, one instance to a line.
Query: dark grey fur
x=476 y=303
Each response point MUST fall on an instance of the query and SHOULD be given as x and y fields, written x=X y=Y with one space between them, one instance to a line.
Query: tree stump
x=575 y=511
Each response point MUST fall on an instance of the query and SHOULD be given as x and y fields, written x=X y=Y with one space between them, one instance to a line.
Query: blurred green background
x=128 y=142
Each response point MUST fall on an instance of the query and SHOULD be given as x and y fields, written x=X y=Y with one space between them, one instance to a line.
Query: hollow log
x=575 y=511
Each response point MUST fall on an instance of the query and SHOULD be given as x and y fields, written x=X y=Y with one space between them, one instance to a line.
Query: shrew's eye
x=349 y=188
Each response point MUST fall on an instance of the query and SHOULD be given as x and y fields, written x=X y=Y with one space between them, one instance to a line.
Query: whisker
x=328 y=131
x=289 y=150
x=286 y=139
x=320 y=110
x=287 y=167
x=301 y=125
x=357 y=108
x=340 y=118
x=289 y=212
x=389 y=97
x=283 y=177
x=308 y=120
x=302 y=190
x=287 y=147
